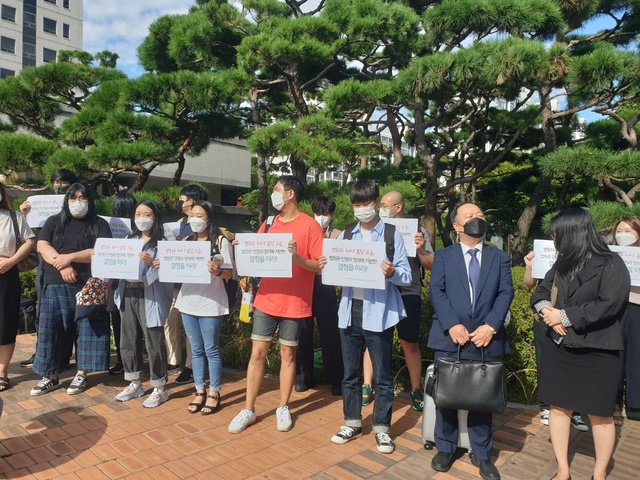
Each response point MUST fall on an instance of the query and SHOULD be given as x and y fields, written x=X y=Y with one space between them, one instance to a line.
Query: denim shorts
x=264 y=327
x=409 y=327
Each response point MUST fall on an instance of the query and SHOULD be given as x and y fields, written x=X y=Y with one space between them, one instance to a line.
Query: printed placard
x=408 y=227
x=631 y=258
x=184 y=262
x=264 y=255
x=353 y=263
x=171 y=230
x=117 y=258
x=545 y=257
x=43 y=207
x=120 y=227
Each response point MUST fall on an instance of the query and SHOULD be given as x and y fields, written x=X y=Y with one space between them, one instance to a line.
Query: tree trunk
x=520 y=241
x=396 y=138
x=431 y=172
x=298 y=168
x=263 y=188
x=177 y=176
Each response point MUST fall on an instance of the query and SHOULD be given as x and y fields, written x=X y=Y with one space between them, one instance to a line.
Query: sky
x=121 y=25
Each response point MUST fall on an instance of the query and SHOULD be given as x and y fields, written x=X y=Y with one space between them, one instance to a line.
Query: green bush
x=28 y=283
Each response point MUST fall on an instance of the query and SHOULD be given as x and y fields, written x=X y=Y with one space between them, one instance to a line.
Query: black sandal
x=198 y=405
x=4 y=384
x=208 y=410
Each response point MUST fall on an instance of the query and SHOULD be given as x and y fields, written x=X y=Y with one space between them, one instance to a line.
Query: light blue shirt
x=157 y=295
x=381 y=309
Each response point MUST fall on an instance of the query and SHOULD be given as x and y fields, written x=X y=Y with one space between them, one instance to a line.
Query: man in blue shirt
x=366 y=319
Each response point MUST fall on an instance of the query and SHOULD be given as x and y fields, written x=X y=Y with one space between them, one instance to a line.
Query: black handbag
x=474 y=385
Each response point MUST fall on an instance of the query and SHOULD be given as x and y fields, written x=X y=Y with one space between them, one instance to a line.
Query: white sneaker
x=133 y=390
x=283 y=419
x=544 y=416
x=78 y=385
x=346 y=434
x=157 y=398
x=242 y=421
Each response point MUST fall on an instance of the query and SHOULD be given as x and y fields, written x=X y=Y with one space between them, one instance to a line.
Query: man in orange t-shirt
x=282 y=302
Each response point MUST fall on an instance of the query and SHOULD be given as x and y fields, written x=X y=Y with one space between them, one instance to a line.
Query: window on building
x=49 y=26
x=8 y=13
x=7 y=45
x=48 y=55
x=53 y=2
x=65 y=4
x=4 y=72
x=65 y=30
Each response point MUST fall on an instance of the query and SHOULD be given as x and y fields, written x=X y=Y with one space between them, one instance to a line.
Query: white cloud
x=121 y=25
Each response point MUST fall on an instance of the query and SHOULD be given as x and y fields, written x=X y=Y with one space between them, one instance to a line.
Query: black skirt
x=9 y=306
x=584 y=380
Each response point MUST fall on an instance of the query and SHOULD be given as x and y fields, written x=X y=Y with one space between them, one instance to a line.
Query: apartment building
x=33 y=31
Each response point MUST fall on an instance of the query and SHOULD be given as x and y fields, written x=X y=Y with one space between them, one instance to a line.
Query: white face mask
x=144 y=224
x=385 y=213
x=626 y=239
x=324 y=220
x=78 y=209
x=365 y=214
x=276 y=200
x=197 y=225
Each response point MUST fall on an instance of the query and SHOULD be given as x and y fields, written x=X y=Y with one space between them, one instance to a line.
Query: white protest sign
x=353 y=263
x=408 y=227
x=171 y=230
x=631 y=258
x=545 y=257
x=264 y=255
x=120 y=227
x=184 y=262
x=43 y=207
x=117 y=258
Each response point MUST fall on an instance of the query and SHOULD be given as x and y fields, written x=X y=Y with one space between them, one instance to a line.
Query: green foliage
x=28 y=284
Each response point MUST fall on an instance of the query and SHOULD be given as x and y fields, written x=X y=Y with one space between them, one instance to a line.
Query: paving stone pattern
x=90 y=436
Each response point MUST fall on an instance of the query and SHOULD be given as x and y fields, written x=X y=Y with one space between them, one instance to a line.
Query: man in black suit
x=471 y=290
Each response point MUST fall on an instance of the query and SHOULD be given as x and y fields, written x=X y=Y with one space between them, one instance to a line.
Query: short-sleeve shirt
x=76 y=237
x=292 y=297
x=8 y=234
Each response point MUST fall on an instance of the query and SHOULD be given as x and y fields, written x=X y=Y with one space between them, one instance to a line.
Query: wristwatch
x=493 y=330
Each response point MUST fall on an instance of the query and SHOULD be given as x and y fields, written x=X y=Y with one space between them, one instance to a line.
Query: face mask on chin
x=197 y=225
x=476 y=228
x=365 y=214
x=626 y=239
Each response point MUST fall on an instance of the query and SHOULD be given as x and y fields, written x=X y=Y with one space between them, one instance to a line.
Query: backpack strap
x=268 y=223
x=389 y=240
x=16 y=229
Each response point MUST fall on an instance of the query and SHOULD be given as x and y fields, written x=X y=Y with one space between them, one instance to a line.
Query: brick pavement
x=89 y=436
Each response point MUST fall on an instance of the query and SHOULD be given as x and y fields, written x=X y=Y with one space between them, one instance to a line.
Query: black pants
x=325 y=312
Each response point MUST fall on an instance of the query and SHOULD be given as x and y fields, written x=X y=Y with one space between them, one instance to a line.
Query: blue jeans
x=353 y=340
x=204 y=337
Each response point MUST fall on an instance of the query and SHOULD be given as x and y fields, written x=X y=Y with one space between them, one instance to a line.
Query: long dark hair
x=63 y=218
x=124 y=205
x=575 y=236
x=212 y=231
x=157 y=230
x=6 y=201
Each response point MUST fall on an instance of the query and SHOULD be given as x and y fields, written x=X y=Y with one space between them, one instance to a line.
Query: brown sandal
x=618 y=419
x=4 y=384
x=208 y=410
x=198 y=405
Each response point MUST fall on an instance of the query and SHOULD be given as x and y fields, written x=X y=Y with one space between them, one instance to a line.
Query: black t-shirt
x=76 y=238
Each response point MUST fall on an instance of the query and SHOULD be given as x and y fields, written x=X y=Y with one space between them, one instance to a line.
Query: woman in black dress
x=581 y=300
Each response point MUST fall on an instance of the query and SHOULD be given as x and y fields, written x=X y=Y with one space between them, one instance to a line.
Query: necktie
x=474 y=273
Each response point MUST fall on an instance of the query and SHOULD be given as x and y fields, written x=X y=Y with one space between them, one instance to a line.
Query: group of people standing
x=585 y=305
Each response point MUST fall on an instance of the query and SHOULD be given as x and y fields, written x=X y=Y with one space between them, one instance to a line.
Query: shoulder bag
x=32 y=260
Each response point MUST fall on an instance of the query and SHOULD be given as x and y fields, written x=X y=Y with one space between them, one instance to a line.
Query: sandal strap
x=217 y=396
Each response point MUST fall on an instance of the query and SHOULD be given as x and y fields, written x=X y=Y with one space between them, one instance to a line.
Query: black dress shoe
x=488 y=470
x=336 y=391
x=302 y=387
x=442 y=462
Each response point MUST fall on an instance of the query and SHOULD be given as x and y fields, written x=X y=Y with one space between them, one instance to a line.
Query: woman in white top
x=203 y=307
x=10 y=255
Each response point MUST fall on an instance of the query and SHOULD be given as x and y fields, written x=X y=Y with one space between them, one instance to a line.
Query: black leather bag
x=475 y=385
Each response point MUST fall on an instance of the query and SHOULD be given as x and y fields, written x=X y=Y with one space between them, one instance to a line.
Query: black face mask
x=60 y=190
x=179 y=206
x=476 y=228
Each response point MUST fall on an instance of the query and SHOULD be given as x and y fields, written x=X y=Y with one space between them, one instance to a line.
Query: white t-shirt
x=8 y=236
x=208 y=299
